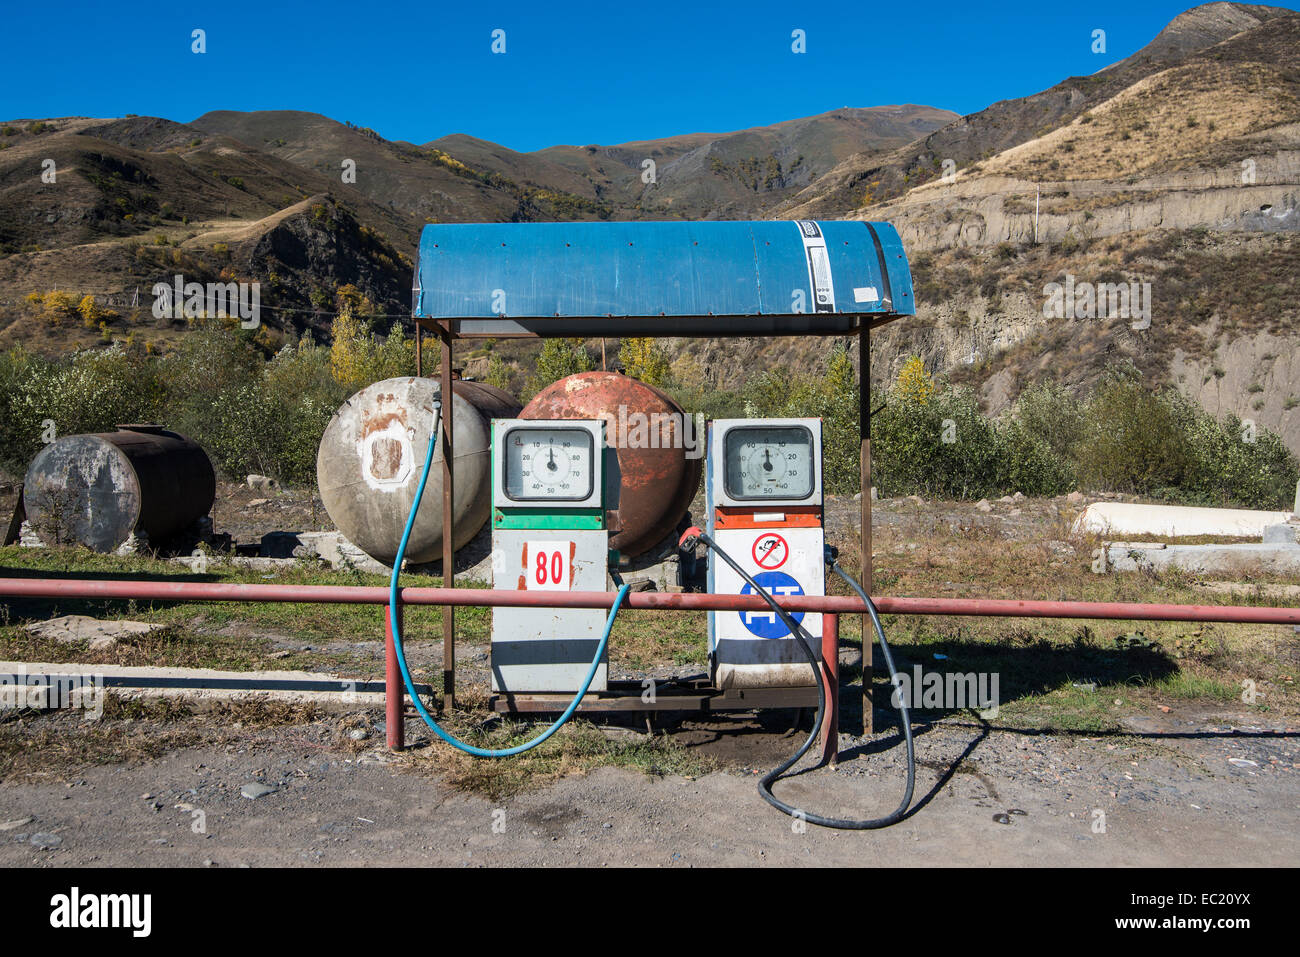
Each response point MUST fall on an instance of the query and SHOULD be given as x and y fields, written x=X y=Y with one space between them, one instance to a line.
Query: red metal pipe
x=831 y=676
x=394 y=688
x=488 y=597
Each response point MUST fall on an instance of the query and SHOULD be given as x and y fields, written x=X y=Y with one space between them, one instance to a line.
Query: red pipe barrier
x=830 y=674
x=394 y=687
x=378 y=595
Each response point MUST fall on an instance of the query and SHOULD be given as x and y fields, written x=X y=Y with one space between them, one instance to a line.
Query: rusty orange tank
x=659 y=450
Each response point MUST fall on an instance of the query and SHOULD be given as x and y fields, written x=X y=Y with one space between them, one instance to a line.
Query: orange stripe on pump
x=793 y=516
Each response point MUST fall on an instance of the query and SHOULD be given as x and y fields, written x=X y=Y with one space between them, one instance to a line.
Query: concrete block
x=1120 y=518
x=1242 y=560
x=1288 y=534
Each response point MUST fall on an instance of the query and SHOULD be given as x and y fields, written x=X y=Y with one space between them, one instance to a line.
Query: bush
x=560 y=358
x=1134 y=440
x=943 y=446
x=358 y=358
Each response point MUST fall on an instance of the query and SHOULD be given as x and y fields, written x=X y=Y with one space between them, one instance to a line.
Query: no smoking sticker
x=770 y=551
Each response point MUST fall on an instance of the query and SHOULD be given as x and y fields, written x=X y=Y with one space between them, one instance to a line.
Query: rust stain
x=385 y=458
x=573 y=570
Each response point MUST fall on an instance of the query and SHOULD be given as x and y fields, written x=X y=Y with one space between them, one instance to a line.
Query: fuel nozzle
x=690 y=538
x=830 y=554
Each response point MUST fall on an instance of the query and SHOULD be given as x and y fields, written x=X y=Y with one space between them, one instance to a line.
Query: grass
x=43 y=746
x=239 y=636
x=577 y=748
x=1054 y=675
x=1039 y=661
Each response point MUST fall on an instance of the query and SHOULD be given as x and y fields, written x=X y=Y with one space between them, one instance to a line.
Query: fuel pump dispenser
x=763 y=497
x=548 y=534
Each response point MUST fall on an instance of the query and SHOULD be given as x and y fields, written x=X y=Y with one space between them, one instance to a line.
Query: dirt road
x=1184 y=788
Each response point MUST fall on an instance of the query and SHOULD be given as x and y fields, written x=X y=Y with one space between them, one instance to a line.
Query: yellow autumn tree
x=914 y=383
x=644 y=359
x=358 y=357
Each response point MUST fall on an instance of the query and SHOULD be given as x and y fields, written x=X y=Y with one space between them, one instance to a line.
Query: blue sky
x=572 y=73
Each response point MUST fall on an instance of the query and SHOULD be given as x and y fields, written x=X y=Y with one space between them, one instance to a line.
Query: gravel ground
x=1201 y=784
x=1186 y=788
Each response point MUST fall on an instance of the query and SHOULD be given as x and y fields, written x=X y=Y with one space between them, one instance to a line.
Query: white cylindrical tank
x=372 y=455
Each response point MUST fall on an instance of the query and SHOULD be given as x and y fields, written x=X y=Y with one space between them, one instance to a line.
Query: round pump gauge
x=548 y=464
x=769 y=462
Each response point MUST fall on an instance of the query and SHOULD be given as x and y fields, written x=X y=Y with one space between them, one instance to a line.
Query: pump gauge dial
x=548 y=464
x=769 y=462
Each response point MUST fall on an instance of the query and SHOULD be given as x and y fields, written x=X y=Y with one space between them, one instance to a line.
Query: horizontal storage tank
x=372 y=453
x=98 y=489
x=650 y=433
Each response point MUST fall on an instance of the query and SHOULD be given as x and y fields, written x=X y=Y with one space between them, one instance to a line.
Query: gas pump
x=763 y=494
x=763 y=497
x=548 y=534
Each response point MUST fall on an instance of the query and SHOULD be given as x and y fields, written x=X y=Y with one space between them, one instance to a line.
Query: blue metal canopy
x=662 y=278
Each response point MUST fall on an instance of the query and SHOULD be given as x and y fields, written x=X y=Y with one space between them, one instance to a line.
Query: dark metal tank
x=97 y=489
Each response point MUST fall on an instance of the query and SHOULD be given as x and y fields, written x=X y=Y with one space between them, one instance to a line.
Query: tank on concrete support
x=372 y=456
x=100 y=489
x=659 y=450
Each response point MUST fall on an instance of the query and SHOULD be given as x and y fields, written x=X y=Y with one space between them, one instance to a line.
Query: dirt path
x=1168 y=790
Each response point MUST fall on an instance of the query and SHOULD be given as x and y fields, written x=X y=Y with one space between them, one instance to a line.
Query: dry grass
x=1161 y=122
x=1041 y=660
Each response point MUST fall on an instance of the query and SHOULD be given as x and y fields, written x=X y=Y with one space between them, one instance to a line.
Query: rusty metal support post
x=394 y=689
x=864 y=512
x=831 y=677
x=448 y=545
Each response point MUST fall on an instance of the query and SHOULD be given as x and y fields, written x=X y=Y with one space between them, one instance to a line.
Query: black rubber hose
x=803 y=638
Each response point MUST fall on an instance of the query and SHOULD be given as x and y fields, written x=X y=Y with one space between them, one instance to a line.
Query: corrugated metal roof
x=665 y=278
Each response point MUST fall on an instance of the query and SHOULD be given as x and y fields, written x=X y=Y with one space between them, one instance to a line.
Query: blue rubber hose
x=401 y=652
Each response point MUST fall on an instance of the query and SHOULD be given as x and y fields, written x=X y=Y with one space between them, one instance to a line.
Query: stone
x=1075 y=498
x=255 y=790
x=358 y=734
x=15 y=823
x=46 y=842
x=261 y=483
x=984 y=505
x=70 y=629
x=1018 y=497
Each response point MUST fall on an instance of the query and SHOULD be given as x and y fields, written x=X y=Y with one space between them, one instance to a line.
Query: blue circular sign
x=765 y=623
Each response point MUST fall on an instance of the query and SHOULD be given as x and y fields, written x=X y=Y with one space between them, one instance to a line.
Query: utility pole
x=1037 y=192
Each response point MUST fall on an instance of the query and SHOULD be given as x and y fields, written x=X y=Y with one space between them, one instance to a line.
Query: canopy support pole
x=864 y=512
x=448 y=550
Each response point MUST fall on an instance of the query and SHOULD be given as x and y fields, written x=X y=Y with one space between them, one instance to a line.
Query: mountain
x=305 y=204
x=1178 y=168
x=871 y=177
x=741 y=175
